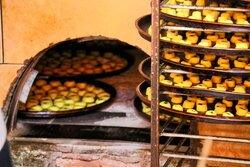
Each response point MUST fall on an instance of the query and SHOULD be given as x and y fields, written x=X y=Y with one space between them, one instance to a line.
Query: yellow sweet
x=202 y=108
x=196 y=15
x=169 y=11
x=225 y=66
x=193 y=39
x=178 y=78
x=206 y=63
x=216 y=79
x=237 y=79
x=223 y=60
x=243 y=102
x=209 y=57
x=177 y=38
x=210 y=99
x=187 y=83
x=200 y=3
x=213 y=38
x=176 y=59
x=194 y=60
x=205 y=42
x=241 y=110
x=172 y=33
x=230 y=83
x=188 y=55
x=220 y=108
x=208 y=83
x=188 y=104
x=242 y=45
x=177 y=107
x=239 y=64
x=195 y=79
x=177 y=99
x=240 y=89
x=168 y=55
x=247 y=83
x=236 y=38
x=228 y=103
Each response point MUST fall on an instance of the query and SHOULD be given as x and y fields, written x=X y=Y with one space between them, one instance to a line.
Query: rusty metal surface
x=155 y=46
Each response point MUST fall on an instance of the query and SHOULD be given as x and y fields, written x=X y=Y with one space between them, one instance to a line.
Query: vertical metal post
x=155 y=83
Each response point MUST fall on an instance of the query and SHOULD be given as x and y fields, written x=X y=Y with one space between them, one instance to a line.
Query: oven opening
x=82 y=89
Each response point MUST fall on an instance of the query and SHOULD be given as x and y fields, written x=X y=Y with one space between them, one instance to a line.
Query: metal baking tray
x=141 y=93
x=144 y=69
x=72 y=46
x=144 y=22
x=205 y=71
x=87 y=110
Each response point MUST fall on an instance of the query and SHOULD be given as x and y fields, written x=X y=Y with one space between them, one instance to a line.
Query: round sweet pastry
x=228 y=103
x=239 y=64
x=211 y=113
x=172 y=75
x=225 y=66
x=46 y=88
x=237 y=79
x=74 y=97
x=188 y=55
x=53 y=108
x=31 y=103
x=220 y=108
x=69 y=84
x=221 y=34
x=244 y=102
x=236 y=38
x=192 y=111
x=167 y=82
x=247 y=67
x=201 y=101
x=209 y=17
x=247 y=83
x=216 y=79
x=196 y=15
x=195 y=79
x=55 y=84
x=177 y=107
x=59 y=102
x=241 y=110
x=192 y=98
x=177 y=38
x=69 y=101
x=88 y=99
x=75 y=90
x=206 y=63
x=205 y=43
x=169 y=55
x=230 y=83
x=161 y=78
x=45 y=104
x=81 y=92
x=193 y=39
x=37 y=108
x=148 y=91
x=39 y=92
x=213 y=38
x=64 y=93
x=232 y=57
x=79 y=105
x=176 y=59
x=222 y=60
x=67 y=107
x=187 y=83
x=178 y=78
x=210 y=100
x=41 y=82
x=171 y=33
x=227 y=114
x=188 y=104
x=208 y=83
x=209 y=57
x=220 y=87
x=61 y=88
x=177 y=99
x=242 y=45
x=240 y=89
x=200 y=107
x=165 y=104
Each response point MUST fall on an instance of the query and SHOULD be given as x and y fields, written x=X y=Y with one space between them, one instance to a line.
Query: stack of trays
x=205 y=69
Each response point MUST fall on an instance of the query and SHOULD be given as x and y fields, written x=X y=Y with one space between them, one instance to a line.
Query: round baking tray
x=141 y=89
x=100 y=45
x=207 y=71
x=52 y=114
x=144 y=69
x=205 y=24
x=143 y=23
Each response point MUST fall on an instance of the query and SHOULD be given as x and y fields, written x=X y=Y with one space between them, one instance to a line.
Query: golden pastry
x=243 y=102
x=192 y=111
x=193 y=39
x=236 y=38
x=228 y=103
x=165 y=104
x=209 y=57
x=177 y=107
x=81 y=85
x=194 y=60
x=195 y=79
x=61 y=88
x=176 y=99
x=187 y=83
x=213 y=38
x=188 y=55
x=210 y=100
x=227 y=114
x=55 y=84
x=242 y=45
x=168 y=55
x=208 y=83
x=176 y=59
x=201 y=101
x=211 y=113
x=45 y=104
x=166 y=82
x=178 y=78
x=241 y=110
x=192 y=98
x=240 y=89
x=230 y=83
x=46 y=88
x=69 y=84
x=216 y=79
x=161 y=78
x=40 y=82
x=172 y=33
x=206 y=63
x=247 y=83
x=247 y=67
x=237 y=79
x=177 y=38
x=225 y=66
x=205 y=42
x=196 y=15
x=220 y=108
x=188 y=104
x=202 y=108
x=31 y=103
x=222 y=60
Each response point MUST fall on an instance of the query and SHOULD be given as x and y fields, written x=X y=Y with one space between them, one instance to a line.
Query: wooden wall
x=31 y=25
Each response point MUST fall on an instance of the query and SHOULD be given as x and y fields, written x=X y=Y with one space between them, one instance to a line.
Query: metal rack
x=157 y=151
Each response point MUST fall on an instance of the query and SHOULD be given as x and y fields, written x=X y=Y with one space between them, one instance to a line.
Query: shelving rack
x=157 y=151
